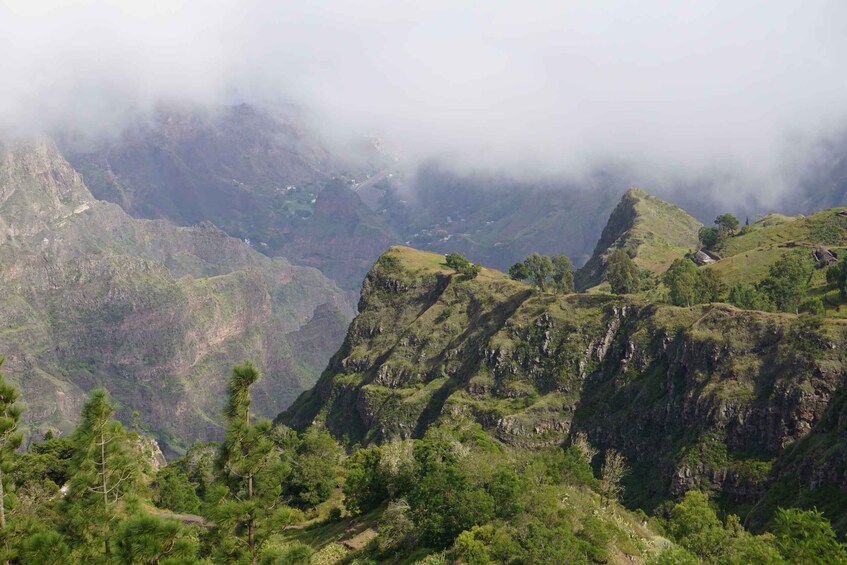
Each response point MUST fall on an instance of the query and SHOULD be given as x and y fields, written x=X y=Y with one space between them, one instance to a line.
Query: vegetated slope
x=653 y=232
x=158 y=314
x=705 y=397
x=258 y=175
x=746 y=257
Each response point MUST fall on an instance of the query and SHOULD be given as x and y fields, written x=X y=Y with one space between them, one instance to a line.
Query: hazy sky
x=677 y=87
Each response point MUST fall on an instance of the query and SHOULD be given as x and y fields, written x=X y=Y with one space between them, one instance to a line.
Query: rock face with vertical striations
x=708 y=397
x=158 y=314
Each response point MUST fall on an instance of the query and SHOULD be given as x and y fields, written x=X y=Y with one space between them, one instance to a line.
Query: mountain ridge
x=155 y=312
x=256 y=173
x=653 y=232
x=706 y=397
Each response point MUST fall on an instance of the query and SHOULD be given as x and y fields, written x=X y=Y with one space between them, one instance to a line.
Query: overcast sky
x=682 y=87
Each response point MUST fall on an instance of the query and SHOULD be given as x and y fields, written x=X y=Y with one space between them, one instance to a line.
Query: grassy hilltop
x=747 y=257
x=650 y=230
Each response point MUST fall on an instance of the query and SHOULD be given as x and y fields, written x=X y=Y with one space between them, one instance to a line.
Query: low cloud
x=738 y=92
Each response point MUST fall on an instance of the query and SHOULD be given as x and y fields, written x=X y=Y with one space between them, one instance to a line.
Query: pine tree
x=46 y=547
x=103 y=443
x=10 y=440
x=104 y=471
x=149 y=540
x=247 y=500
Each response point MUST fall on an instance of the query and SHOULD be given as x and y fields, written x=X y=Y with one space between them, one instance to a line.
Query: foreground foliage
x=261 y=496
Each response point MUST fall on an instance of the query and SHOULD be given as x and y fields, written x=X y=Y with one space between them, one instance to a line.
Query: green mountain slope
x=156 y=313
x=705 y=397
x=746 y=257
x=653 y=232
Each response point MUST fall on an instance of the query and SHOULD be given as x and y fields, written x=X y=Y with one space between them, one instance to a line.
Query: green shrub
x=812 y=306
x=470 y=271
x=805 y=536
x=388 y=263
x=456 y=261
x=174 y=491
x=365 y=483
x=597 y=536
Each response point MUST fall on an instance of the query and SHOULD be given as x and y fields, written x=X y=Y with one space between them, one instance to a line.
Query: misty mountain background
x=267 y=176
x=324 y=133
x=737 y=102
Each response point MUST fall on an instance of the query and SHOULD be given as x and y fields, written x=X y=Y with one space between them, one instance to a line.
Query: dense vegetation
x=269 y=495
x=545 y=272
x=621 y=272
x=784 y=289
x=248 y=490
x=462 y=266
x=687 y=285
x=681 y=391
x=769 y=265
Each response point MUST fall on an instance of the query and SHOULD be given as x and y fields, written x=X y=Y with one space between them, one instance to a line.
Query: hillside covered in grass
x=653 y=232
x=747 y=257
x=709 y=397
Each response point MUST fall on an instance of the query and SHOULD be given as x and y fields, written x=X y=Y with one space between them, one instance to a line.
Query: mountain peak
x=654 y=233
x=635 y=193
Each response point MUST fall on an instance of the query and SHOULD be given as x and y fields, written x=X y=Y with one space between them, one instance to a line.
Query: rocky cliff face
x=155 y=313
x=708 y=397
x=36 y=190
